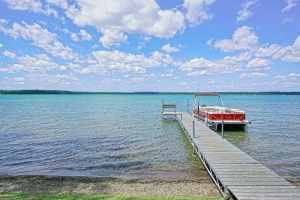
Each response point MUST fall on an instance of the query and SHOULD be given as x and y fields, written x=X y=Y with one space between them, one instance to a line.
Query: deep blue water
x=124 y=136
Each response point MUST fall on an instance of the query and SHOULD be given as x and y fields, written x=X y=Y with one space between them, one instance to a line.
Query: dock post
x=222 y=129
x=193 y=129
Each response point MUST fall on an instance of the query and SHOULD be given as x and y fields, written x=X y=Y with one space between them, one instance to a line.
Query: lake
x=124 y=136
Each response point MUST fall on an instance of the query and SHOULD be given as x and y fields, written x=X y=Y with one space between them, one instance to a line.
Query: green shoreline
x=160 y=93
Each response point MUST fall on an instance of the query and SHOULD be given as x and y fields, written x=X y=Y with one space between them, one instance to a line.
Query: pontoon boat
x=214 y=116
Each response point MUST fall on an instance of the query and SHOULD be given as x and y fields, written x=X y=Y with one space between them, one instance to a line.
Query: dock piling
x=223 y=129
x=193 y=128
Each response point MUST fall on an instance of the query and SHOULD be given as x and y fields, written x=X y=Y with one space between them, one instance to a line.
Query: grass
x=94 y=197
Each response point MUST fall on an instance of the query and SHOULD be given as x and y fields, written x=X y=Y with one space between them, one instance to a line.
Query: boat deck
x=236 y=174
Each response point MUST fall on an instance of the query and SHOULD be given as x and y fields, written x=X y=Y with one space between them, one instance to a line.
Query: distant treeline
x=79 y=92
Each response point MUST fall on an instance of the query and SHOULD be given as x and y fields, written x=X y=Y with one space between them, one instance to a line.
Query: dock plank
x=234 y=172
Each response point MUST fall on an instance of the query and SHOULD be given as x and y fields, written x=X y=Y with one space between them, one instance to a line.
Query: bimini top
x=206 y=94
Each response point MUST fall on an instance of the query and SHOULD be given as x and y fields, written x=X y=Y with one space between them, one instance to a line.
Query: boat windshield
x=208 y=99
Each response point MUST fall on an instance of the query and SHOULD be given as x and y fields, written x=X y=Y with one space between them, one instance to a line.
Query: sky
x=150 y=45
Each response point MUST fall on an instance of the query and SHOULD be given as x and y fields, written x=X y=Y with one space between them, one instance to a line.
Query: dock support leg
x=193 y=129
x=227 y=195
x=222 y=129
x=194 y=150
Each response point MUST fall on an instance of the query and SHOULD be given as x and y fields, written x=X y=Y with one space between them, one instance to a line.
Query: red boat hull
x=220 y=117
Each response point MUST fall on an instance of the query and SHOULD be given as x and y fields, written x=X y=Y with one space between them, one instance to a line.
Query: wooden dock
x=236 y=174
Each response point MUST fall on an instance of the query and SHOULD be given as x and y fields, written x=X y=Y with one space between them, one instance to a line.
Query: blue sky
x=148 y=45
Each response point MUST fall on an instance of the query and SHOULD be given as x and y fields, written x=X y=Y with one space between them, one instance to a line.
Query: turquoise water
x=124 y=136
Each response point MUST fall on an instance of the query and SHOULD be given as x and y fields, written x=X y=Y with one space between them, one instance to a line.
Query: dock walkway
x=236 y=174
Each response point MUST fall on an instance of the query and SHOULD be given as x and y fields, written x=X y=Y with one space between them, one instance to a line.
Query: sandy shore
x=75 y=185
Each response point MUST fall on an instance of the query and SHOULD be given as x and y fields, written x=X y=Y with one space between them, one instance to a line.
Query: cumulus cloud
x=290 y=76
x=289 y=4
x=35 y=6
x=267 y=50
x=197 y=10
x=108 y=61
x=40 y=37
x=119 y=18
x=259 y=64
x=82 y=35
x=33 y=64
x=202 y=66
x=289 y=53
x=8 y=54
x=245 y=11
x=169 y=49
x=115 y=20
x=243 y=39
x=112 y=38
x=1 y=45
x=252 y=75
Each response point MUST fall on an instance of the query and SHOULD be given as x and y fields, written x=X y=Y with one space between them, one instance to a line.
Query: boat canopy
x=206 y=94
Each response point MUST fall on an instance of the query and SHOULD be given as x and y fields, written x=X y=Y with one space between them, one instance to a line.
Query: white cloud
x=289 y=4
x=82 y=35
x=252 y=75
x=259 y=64
x=202 y=66
x=14 y=80
x=1 y=45
x=35 y=6
x=245 y=11
x=8 y=54
x=267 y=51
x=109 y=61
x=197 y=10
x=290 y=76
x=74 y=37
x=114 y=20
x=243 y=39
x=33 y=64
x=289 y=53
x=169 y=49
x=41 y=38
x=112 y=38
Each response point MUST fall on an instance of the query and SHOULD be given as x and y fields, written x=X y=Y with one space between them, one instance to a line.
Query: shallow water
x=124 y=136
